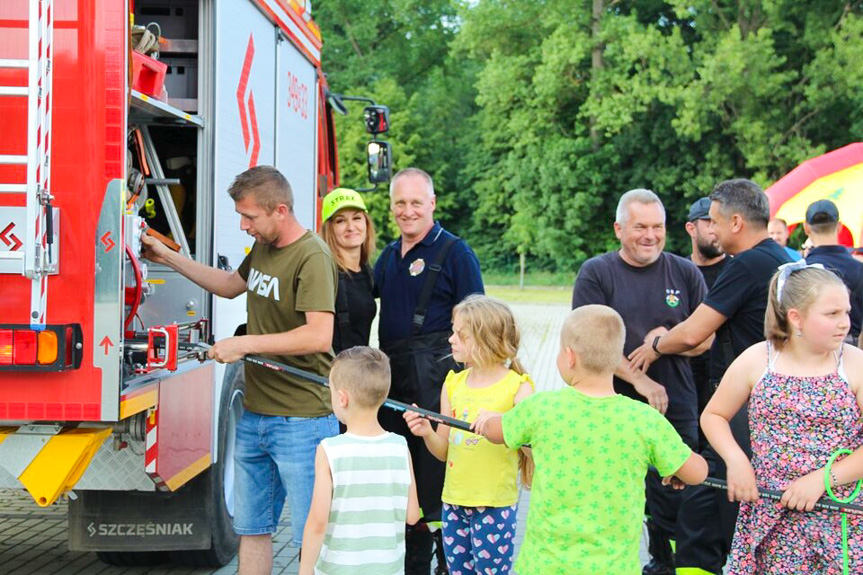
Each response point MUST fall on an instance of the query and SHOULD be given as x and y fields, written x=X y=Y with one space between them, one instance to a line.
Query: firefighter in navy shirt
x=419 y=278
x=822 y=227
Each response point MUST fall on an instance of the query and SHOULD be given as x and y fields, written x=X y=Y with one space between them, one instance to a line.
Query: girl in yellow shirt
x=480 y=493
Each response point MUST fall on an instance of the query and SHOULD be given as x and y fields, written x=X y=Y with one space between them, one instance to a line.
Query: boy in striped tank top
x=365 y=490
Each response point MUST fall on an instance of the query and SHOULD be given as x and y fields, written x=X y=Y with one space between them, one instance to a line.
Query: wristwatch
x=655 y=344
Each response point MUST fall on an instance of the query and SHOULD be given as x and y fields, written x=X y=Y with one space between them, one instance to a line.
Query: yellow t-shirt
x=478 y=472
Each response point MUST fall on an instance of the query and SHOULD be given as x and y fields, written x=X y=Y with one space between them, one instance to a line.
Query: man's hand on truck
x=154 y=250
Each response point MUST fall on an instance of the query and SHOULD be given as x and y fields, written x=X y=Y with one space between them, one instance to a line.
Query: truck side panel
x=87 y=156
x=296 y=121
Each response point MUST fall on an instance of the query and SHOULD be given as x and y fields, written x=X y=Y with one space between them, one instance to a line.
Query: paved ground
x=33 y=539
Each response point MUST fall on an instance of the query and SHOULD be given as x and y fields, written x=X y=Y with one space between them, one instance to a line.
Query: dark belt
x=416 y=343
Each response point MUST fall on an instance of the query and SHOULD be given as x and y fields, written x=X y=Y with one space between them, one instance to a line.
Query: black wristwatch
x=655 y=344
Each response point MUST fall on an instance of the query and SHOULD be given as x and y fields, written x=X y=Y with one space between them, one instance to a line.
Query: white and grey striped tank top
x=366 y=531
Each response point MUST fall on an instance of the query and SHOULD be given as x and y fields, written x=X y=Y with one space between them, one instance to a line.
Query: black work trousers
x=419 y=366
x=705 y=525
x=663 y=502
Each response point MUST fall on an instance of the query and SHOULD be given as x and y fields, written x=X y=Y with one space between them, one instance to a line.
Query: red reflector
x=24 y=347
x=5 y=347
x=70 y=336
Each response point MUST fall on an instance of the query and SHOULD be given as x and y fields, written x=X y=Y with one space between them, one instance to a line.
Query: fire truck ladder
x=39 y=220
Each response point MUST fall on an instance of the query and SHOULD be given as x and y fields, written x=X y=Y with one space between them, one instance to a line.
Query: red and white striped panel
x=151 y=454
x=39 y=291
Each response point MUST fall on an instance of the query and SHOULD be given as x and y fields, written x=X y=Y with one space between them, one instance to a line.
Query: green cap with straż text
x=339 y=199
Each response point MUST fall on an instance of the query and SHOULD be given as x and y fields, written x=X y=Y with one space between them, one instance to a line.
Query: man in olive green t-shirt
x=290 y=281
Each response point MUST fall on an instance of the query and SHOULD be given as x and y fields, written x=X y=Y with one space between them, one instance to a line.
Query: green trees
x=534 y=116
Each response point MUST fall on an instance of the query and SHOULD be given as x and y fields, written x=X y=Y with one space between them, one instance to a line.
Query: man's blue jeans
x=275 y=458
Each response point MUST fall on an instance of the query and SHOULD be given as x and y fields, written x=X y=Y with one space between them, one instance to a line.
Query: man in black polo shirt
x=419 y=278
x=822 y=227
x=649 y=287
x=735 y=305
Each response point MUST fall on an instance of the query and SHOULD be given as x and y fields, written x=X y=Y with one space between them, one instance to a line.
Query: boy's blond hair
x=364 y=373
x=596 y=334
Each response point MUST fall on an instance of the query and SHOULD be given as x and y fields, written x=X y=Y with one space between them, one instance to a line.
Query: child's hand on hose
x=673 y=481
x=802 y=493
x=741 y=480
x=419 y=425
x=482 y=420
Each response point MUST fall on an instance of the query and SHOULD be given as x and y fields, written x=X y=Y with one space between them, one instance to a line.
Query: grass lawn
x=531 y=294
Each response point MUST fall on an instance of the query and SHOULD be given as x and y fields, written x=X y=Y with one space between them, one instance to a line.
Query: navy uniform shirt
x=663 y=293
x=839 y=261
x=399 y=289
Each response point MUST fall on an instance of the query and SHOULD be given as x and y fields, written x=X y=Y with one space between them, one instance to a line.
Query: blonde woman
x=348 y=231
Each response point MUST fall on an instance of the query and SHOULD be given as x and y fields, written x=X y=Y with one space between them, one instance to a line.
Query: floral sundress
x=796 y=423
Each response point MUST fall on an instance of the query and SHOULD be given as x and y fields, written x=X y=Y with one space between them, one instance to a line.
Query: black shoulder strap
x=432 y=274
x=343 y=314
x=385 y=258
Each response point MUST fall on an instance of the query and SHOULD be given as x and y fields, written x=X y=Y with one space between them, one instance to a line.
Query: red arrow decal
x=241 y=89
x=256 y=139
x=108 y=243
x=12 y=239
x=106 y=343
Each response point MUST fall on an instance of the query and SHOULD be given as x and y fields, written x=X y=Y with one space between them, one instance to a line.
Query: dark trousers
x=663 y=502
x=705 y=525
x=419 y=366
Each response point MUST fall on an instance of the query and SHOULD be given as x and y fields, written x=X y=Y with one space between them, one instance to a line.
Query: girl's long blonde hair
x=491 y=326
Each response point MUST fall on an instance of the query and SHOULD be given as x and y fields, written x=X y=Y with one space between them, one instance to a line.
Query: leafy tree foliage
x=533 y=117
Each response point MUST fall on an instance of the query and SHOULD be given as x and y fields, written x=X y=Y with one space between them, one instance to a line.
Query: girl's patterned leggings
x=478 y=539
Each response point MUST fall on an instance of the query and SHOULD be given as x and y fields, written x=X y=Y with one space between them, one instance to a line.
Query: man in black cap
x=822 y=227
x=707 y=254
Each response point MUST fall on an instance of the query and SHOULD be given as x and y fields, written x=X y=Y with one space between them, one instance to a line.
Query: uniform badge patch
x=672 y=297
x=417 y=267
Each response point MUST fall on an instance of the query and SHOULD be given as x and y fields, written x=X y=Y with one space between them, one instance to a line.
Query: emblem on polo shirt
x=417 y=267
x=672 y=297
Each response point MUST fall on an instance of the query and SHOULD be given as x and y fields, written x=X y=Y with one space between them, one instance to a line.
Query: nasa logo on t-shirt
x=672 y=297
x=417 y=267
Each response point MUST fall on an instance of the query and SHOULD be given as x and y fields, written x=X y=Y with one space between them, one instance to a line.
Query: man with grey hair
x=649 y=287
x=419 y=278
x=735 y=307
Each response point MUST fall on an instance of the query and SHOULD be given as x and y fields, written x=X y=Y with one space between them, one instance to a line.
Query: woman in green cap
x=348 y=230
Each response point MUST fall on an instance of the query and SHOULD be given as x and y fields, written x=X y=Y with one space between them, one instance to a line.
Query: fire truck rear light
x=47 y=347
x=24 y=347
x=54 y=348
x=5 y=347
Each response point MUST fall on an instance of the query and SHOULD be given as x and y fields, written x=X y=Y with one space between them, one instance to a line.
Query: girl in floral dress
x=805 y=392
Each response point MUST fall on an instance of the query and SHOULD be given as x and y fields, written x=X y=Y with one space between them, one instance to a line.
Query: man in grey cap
x=822 y=227
x=707 y=254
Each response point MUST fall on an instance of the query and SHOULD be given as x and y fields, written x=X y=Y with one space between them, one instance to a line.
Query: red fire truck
x=101 y=392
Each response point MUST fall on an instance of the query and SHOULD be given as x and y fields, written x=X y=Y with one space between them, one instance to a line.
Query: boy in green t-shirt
x=592 y=449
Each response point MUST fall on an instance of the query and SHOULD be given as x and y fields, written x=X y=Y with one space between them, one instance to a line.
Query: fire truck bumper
x=48 y=460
